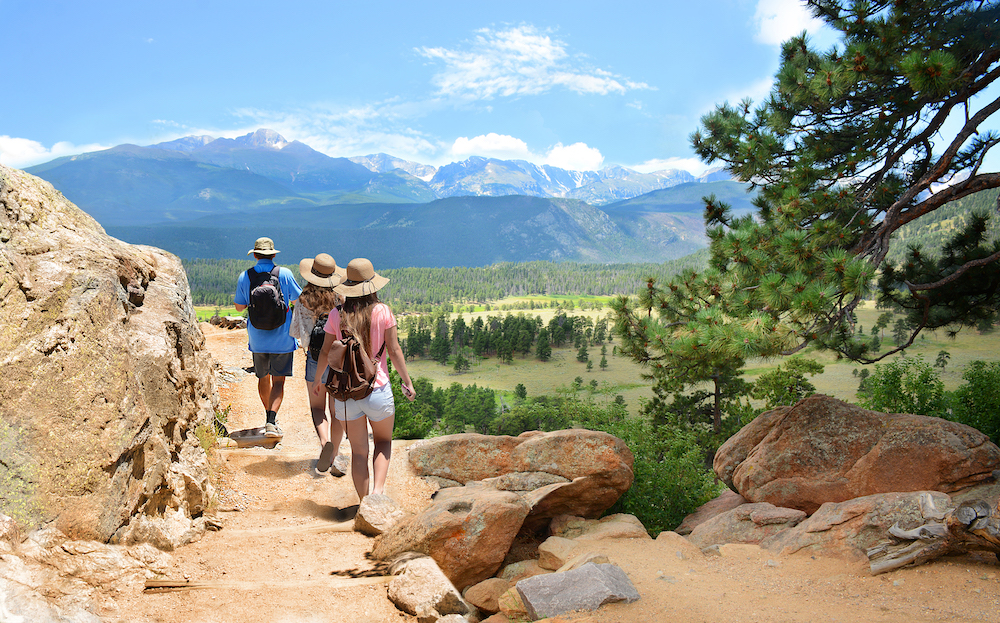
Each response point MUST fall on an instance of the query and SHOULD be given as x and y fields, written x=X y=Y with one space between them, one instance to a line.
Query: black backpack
x=317 y=336
x=267 y=308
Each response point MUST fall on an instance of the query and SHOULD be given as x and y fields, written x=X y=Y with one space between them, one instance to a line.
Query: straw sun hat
x=321 y=271
x=361 y=279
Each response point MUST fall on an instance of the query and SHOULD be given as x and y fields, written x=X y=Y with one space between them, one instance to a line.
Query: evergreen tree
x=520 y=392
x=604 y=363
x=582 y=355
x=543 y=350
x=850 y=145
x=440 y=348
x=462 y=364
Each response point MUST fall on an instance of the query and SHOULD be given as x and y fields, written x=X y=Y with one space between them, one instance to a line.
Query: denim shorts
x=311 y=366
x=376 y=406
x=273 y=364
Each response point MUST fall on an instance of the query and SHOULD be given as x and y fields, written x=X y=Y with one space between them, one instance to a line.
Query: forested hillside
x=214 y=281
x=931 y=230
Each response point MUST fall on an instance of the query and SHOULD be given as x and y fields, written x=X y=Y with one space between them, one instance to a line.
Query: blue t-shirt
x=276 y=340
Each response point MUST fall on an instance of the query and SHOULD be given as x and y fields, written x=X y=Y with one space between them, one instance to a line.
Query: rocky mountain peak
x=262 y=138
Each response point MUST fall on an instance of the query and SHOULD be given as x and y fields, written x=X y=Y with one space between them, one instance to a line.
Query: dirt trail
x=285 y=531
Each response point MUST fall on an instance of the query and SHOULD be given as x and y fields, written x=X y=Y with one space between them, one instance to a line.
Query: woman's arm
x=321 y=366
x=395 y=353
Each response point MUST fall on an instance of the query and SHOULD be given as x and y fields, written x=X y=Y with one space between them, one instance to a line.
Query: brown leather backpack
x=352 y=371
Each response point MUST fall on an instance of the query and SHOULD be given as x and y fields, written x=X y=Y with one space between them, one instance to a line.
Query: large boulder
x=748 y=523
x=825 y=450
x=576 y=472
x=106 y=377
x=848 y=529
x=468 y=537
x=726 y=501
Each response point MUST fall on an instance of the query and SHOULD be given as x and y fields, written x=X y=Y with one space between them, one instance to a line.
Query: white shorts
x=377 y=406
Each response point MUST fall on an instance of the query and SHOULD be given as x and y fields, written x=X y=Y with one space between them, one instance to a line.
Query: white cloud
x=348 y=132
x=491 y=145
x=780 y=20
x=575 y=157
x=23 y=152
x=694 y=166
x=518 y=61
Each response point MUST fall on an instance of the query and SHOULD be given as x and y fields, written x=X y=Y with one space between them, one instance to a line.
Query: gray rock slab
x=587 y=588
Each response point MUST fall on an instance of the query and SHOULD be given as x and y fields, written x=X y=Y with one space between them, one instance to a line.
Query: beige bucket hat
x=321 y=271
x=263 y=246
x=361 y=279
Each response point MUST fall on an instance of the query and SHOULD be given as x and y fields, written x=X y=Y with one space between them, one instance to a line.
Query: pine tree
x=543 y=350
x=850 y=145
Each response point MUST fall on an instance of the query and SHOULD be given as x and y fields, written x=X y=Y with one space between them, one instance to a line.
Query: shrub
x=977 y=402
x=906 y=385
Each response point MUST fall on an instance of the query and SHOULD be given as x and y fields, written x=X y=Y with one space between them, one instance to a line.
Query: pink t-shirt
x=382 y=319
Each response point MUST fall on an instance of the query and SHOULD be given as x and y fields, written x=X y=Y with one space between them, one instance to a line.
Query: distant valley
x=201 y=197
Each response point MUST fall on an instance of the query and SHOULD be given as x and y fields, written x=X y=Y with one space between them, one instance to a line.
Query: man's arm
x=242 y=298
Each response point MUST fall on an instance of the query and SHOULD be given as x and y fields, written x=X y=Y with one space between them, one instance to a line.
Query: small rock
x=341 y=465
x=587 y=588
x=515 y=572
x=581 y=559
x=377 y=514
x=555 y=551
x=421 y=589
x=486 y=595
x=512 y=607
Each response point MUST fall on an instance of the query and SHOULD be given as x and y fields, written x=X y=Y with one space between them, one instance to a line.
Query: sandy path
x=285 y=531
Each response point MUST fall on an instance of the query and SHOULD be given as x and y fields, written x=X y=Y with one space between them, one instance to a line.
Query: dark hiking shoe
x=325 y=457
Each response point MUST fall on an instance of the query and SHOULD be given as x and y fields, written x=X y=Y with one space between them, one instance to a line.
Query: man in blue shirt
x=272 y=350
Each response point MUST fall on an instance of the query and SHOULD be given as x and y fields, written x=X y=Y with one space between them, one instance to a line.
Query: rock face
x=576 y=472
x=847 y=529
x=105 y=377
x=825 y=450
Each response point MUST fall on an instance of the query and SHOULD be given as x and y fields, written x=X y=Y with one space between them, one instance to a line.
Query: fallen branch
x=973 y=526
x=169 y=586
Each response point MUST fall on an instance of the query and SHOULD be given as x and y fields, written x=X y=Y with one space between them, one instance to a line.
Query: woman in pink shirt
x=372 y=321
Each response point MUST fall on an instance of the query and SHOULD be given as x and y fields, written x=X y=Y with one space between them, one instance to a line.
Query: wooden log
x=972 y=526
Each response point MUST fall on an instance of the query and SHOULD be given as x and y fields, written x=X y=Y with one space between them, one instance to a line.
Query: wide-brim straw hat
x=263 y=246
x=361 y=279
x=321 y=271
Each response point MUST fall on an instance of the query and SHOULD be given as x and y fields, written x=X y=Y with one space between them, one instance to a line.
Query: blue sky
x=581 y=85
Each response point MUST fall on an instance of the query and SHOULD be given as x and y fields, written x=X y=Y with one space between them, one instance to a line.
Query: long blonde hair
x=356 y=317
x=317 y=299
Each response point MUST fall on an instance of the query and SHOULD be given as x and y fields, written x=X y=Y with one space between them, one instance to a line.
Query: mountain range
x=207 y=197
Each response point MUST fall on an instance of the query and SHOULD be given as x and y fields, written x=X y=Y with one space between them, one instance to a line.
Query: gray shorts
x=273 y=364
x=377 y=406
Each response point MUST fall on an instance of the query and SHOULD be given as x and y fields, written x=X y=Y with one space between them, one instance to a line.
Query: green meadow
x=623 y=376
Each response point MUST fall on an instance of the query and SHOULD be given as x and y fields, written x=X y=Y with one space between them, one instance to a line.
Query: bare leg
x=357 y=433
x=276 y=394
x=382 y=433
x=336 y=426
x=317 y=406
x=264 y=389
